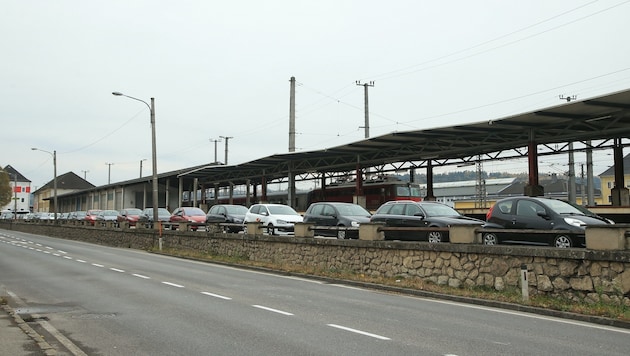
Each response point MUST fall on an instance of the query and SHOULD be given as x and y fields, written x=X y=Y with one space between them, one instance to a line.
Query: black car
x=423 y=214
x=146 y=218
x=227 y=213
x=566 y=223
x=341 y=215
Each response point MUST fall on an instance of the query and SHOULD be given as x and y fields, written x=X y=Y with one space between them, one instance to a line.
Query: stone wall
x=579 y=274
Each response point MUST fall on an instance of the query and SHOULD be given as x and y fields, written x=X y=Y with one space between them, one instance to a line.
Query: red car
x=90 y=216
x=194 y=216
x=129 y=215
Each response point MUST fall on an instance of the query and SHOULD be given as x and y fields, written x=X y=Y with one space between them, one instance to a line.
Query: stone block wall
x=579 y=274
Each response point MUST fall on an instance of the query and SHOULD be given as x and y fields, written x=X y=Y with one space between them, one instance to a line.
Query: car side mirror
x=542 y=214
x=419 y=214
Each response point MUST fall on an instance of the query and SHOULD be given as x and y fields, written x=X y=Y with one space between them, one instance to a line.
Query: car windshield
x=352 y=210
x=439 y=210
x=408 y=191
x=134 y=212
x=109 y=213
x=281 y=210
x=194 y=212
x=236 y=209
x=563 y=208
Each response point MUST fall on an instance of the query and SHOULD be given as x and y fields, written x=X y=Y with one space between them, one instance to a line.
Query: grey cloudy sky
x=222 y=68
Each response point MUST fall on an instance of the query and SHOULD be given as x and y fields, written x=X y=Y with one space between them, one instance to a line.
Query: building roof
x=610 y=172
x=12 y=171
x=67 y=181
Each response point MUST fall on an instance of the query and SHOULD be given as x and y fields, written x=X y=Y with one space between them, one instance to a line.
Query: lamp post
x=154 y=154
x=54 y=156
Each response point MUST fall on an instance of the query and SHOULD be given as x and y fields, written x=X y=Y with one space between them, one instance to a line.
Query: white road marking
x=67 y=257
x=272 y=310
x=359 y=332
x=82 y=261
x=64 y=252
x=117 y=270
x=97 y=265
x=173 y=284
x=56 y=254
x=141 y=276
x=216 y=295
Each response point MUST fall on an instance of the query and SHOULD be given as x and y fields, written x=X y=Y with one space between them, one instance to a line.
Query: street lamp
x=154 y=153
x=54 y=156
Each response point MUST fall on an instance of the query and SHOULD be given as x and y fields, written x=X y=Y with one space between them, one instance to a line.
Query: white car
x=276 y=218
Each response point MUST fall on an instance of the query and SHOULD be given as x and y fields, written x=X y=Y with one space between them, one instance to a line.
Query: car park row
x=515 y=220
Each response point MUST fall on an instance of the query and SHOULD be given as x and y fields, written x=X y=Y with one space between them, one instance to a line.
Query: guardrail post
x=254 y=228
x=464 y=234
x=304 y=230
x=371 y=232
x=606 y=237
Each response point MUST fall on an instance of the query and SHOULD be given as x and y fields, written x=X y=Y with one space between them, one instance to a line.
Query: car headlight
x=575 y=222
x=354 y=224
x=282 y=222
x=238 y=221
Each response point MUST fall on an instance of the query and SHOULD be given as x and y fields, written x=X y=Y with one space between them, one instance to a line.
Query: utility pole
x=226 y=138
x=292 y=116
x=85 y=174
x=215 y=150
x=367 y=112
x=109 y=172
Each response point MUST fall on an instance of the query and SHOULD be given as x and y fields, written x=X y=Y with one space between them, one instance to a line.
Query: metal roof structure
x=603 y=118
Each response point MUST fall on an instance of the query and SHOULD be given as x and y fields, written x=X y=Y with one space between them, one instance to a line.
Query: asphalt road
x=99 y=300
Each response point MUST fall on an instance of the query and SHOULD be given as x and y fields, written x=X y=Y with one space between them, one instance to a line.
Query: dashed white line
x=97 y=265
x=56 y=254
x=216 y=295
x=82 y=261
x=173 y=284
x=141 y=276
x=67 y=257
x=117 y=270
x=272 y=310
x=359 y=332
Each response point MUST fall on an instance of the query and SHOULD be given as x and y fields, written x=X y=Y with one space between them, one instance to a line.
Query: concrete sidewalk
x=18 y=338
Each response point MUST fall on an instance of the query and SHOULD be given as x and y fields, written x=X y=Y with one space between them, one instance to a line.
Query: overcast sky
x=222 y=68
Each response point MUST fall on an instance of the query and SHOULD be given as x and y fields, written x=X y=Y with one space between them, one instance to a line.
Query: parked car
x=147 y=216
x=277 y=218
x=227 y=213
x=77 y=215
x=566 y=223
x=341 y=215
x=424 y=214
x=194 y=216
x=130 y=215
x=90 y=216
x=107 y=215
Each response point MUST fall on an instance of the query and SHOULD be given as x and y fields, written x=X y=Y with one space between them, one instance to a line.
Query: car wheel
x=562 y=241
x=435 y=236
x=271 y=230
x=341 y=234
x=245 y=228
x=490 y=238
